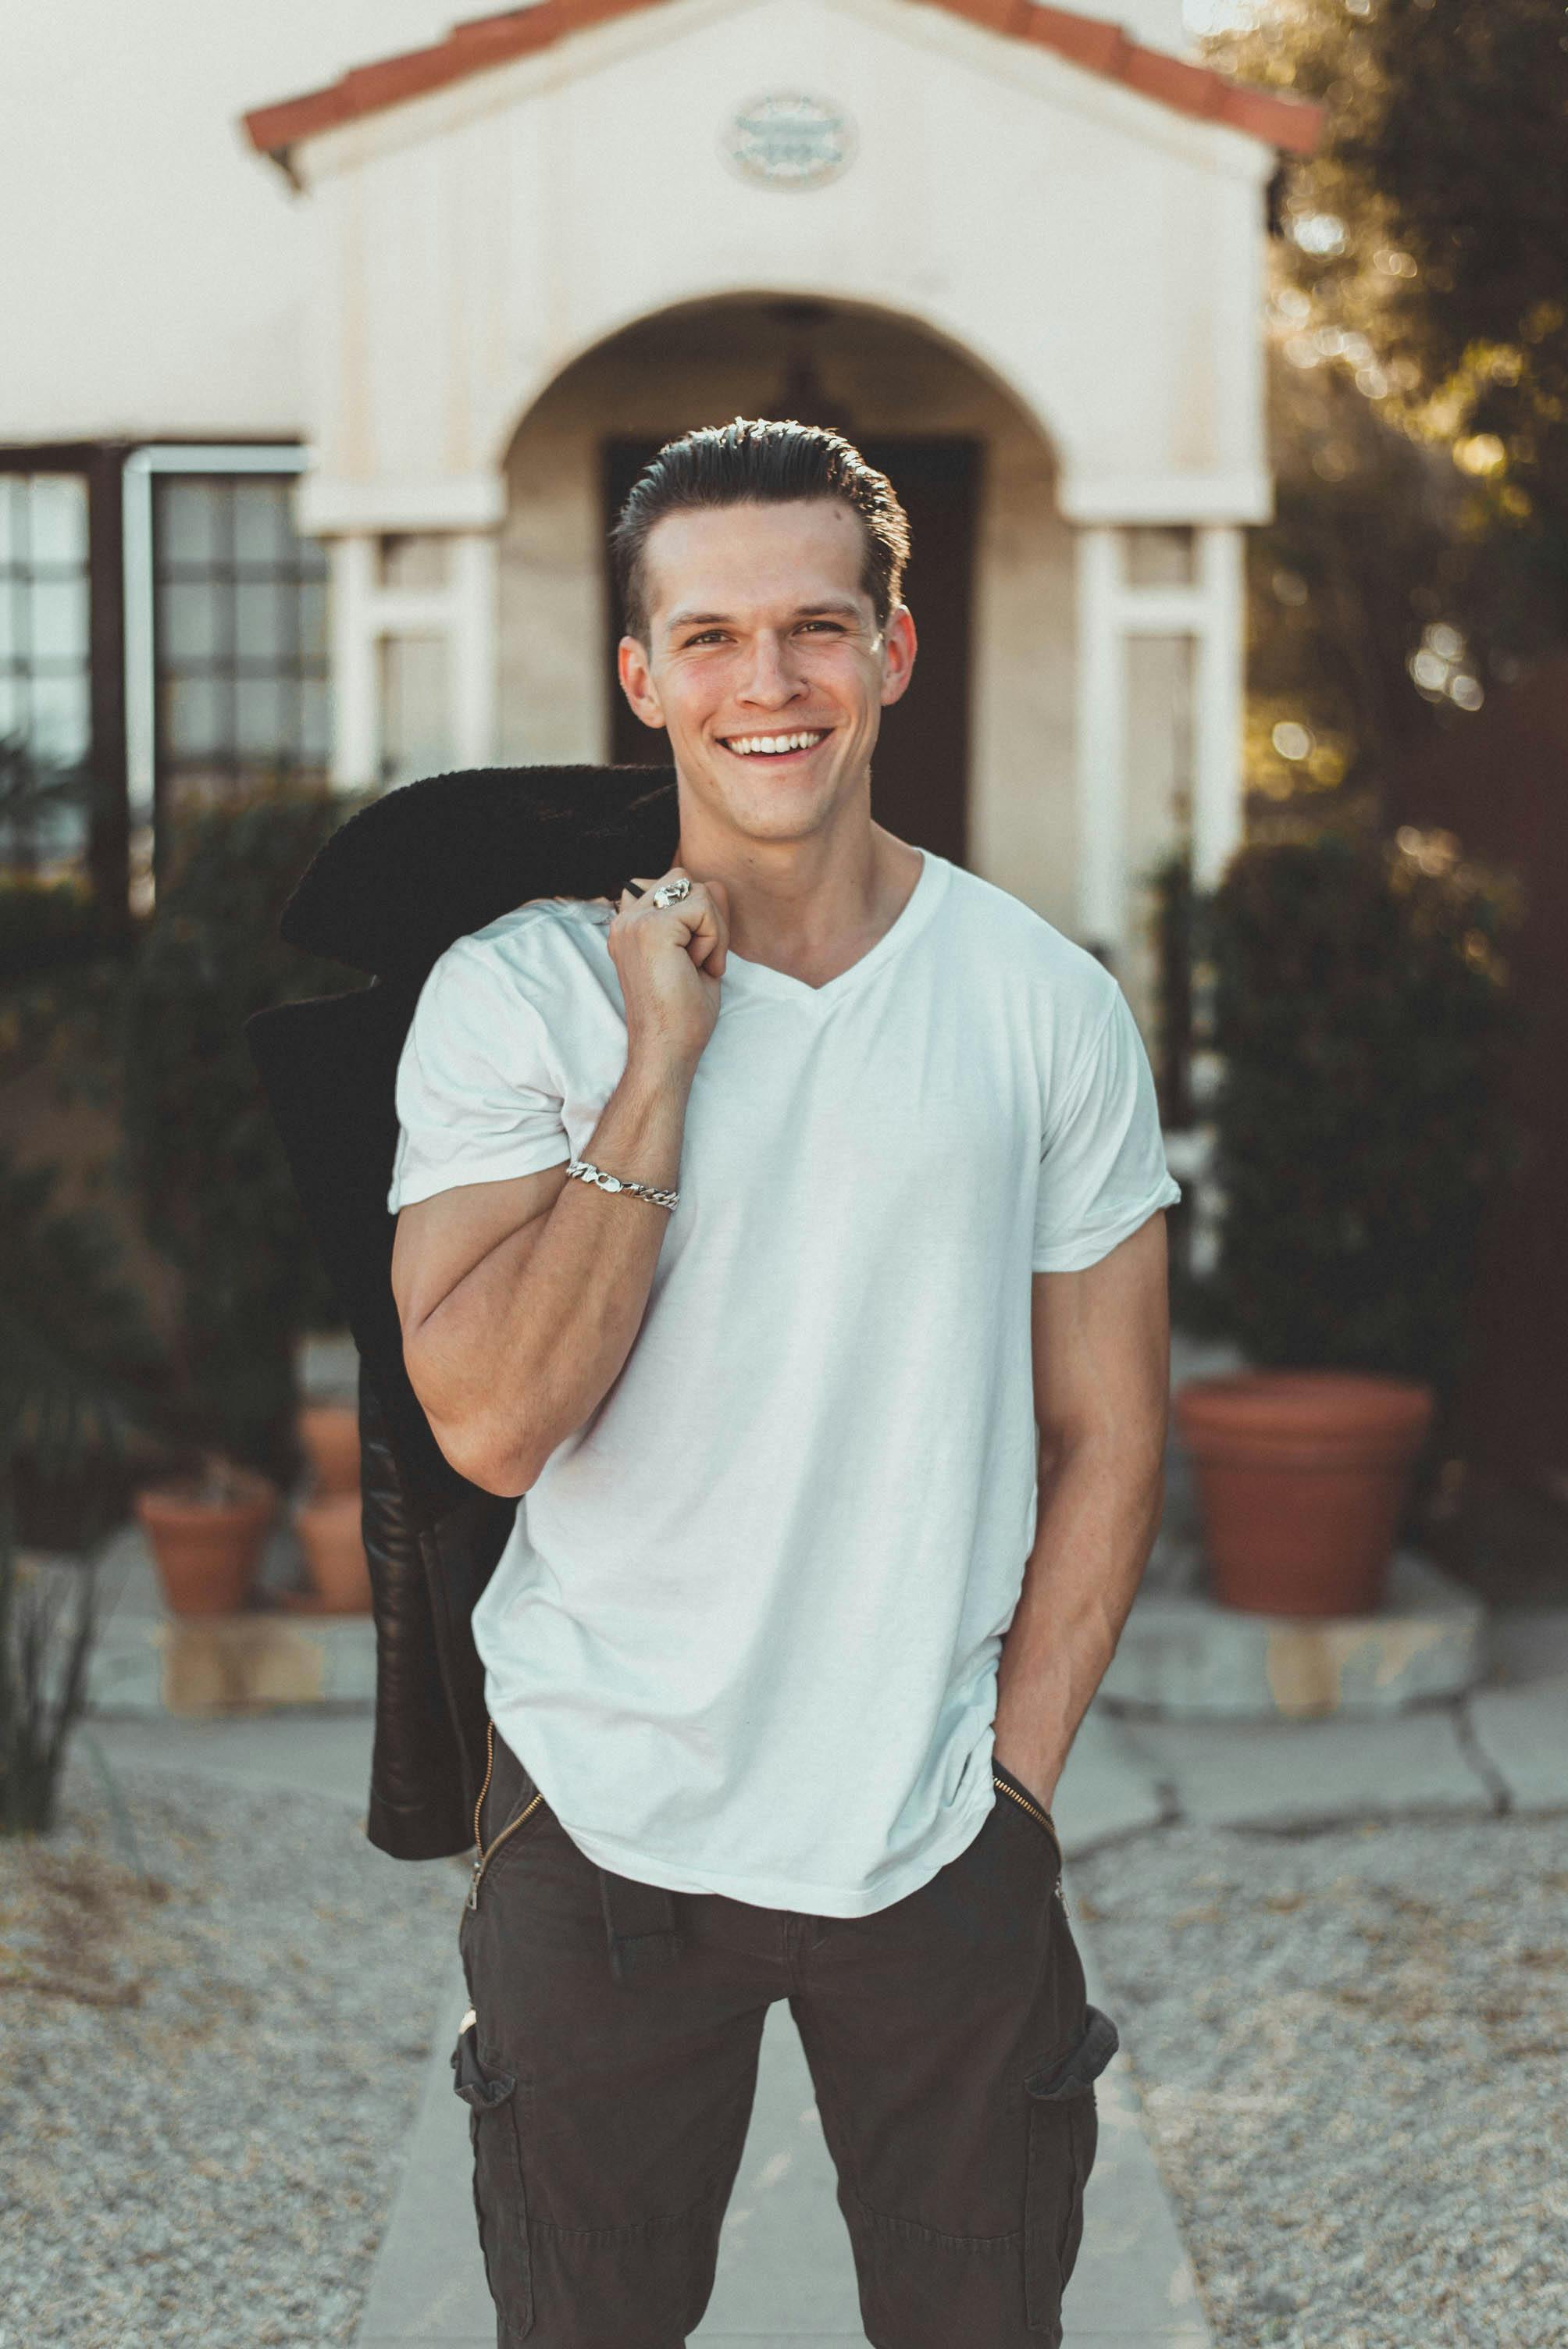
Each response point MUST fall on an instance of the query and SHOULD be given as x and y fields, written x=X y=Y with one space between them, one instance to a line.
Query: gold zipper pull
x=479 y=1869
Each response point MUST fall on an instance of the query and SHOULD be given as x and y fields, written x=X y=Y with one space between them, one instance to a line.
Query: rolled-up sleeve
x=477 y=1098
x=1102 y=1168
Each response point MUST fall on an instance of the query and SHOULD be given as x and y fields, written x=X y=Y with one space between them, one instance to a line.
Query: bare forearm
x=527 y=1345
x=1099 y=1514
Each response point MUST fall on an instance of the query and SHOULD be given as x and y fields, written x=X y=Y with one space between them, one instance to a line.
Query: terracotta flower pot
x=329 y=1434
x=330 y=1536
x=1301 y=1477
x=206 y=1536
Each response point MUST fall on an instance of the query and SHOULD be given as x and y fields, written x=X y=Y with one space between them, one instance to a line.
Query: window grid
x=46 y=695
x=240 y=637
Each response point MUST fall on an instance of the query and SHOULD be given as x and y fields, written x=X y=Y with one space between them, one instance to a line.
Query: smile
x=773 y=746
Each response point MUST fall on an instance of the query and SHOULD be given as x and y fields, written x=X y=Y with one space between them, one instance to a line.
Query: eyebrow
x=842 y=611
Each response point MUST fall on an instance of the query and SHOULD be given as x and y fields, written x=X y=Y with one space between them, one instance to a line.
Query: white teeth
x=745 y=744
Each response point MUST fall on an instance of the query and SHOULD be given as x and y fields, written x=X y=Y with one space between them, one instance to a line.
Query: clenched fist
x=670 y=960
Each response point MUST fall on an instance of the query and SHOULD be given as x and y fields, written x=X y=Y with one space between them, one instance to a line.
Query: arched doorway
x=976 y=761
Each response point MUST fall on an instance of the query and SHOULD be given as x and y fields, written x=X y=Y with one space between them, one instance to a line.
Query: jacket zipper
x=482 y=1858
x=1035 y=1812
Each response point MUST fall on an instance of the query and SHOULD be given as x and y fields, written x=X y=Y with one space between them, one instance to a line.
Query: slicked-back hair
x=760 y=460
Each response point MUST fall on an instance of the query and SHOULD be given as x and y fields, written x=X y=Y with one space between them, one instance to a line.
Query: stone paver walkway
x=786 y=2279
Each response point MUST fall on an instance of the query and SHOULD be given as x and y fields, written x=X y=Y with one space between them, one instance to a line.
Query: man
x=787 y=1238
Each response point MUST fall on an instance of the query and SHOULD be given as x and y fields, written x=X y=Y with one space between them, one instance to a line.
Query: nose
x=770 y=682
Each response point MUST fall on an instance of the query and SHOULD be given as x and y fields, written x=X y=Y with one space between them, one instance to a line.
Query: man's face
x=765 y=661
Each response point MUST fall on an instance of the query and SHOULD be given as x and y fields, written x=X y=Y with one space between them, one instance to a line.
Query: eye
x=834 y=627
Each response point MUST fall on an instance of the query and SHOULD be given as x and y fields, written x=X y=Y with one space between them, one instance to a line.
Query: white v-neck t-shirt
x=744 y=1635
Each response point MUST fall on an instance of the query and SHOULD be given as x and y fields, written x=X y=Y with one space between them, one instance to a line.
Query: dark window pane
x=195 y=715
x=58 y=522
x=188 y=525
x=261 y=621
x=61 y=718
x=262 y=729
x=263 y=533
x=312 y=642
x=315 y=722
x=58 y=627
x=189 y=622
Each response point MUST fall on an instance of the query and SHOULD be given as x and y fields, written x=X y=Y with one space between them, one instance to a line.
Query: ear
x=636 y=681
x=899 y=649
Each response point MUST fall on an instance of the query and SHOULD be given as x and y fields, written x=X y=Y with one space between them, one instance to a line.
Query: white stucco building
x=309 y=451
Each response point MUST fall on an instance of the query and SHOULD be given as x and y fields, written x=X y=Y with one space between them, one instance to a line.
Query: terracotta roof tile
x=1087 y=41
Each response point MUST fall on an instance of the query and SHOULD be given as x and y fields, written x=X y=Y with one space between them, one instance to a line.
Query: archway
x=976 y=763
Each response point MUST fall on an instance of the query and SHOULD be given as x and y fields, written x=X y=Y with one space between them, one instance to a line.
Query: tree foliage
x=1419 y=356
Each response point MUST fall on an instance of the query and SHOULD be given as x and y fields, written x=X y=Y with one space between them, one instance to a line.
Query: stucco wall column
x=1100 y=739
x=475 y=646
x=356 y=695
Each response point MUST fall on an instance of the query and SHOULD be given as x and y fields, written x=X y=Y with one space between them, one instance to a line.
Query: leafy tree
x=1419 y=350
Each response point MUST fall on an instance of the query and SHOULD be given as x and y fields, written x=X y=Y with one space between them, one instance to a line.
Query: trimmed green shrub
x=1362 y=1015
x=202 y=1157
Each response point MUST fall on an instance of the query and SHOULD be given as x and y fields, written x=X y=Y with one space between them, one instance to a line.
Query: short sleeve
x=477 y=1099
x=1102 y=1170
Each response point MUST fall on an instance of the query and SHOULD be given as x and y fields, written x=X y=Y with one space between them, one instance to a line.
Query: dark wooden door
x=919 y=772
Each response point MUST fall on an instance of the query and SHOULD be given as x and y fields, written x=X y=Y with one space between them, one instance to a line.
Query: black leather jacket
x=388 y=895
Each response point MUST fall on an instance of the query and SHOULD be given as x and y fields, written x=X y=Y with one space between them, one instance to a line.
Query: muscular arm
x=520 y=1300
x=1101 y=1367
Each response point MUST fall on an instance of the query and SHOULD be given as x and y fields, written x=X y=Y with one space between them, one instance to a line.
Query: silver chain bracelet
x=586 y=1174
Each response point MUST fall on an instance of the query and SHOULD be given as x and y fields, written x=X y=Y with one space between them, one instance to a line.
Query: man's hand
x=670 y=960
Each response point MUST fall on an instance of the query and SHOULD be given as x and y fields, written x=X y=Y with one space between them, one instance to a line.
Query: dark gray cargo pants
x=612 y=2060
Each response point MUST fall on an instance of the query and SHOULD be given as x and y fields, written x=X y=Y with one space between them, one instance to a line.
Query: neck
x=810 y=907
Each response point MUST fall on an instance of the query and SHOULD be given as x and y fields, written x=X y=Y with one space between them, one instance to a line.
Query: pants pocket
x=1064 y=2128
x=500 y=2199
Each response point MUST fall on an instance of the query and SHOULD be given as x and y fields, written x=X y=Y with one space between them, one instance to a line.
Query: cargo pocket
x=1064 y=2126
x=500 y=2203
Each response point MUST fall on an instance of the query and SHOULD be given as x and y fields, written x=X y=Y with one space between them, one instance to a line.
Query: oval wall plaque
x=789 y=140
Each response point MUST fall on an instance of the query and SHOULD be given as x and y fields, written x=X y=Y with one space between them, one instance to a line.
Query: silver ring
x=670 y=893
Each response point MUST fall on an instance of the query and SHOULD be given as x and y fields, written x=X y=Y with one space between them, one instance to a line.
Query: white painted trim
x=407 y=611
x=1056 y=80
x=329 y=508
x=356 y=684
x=1158 y=498
x=476 y=647
x=136 y=571
x=1102 y=740
x=1161 y=611
x=1220 y=698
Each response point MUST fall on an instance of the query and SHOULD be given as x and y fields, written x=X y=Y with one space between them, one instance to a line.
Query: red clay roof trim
x=1088 y=41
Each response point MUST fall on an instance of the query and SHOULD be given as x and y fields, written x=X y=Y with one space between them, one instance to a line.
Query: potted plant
x=331 y=1536
x=327 y=1518
x=1360 y=1021
x=205 y=1530
x=326 y=1375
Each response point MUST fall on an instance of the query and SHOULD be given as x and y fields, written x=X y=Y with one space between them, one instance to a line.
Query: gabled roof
x=1087 y=41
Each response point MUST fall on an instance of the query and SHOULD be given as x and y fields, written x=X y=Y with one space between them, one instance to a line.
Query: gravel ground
x=1351 y=2048
x=208 y=2075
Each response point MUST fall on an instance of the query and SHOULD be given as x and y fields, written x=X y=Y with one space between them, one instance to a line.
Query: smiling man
x=787 y=1239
